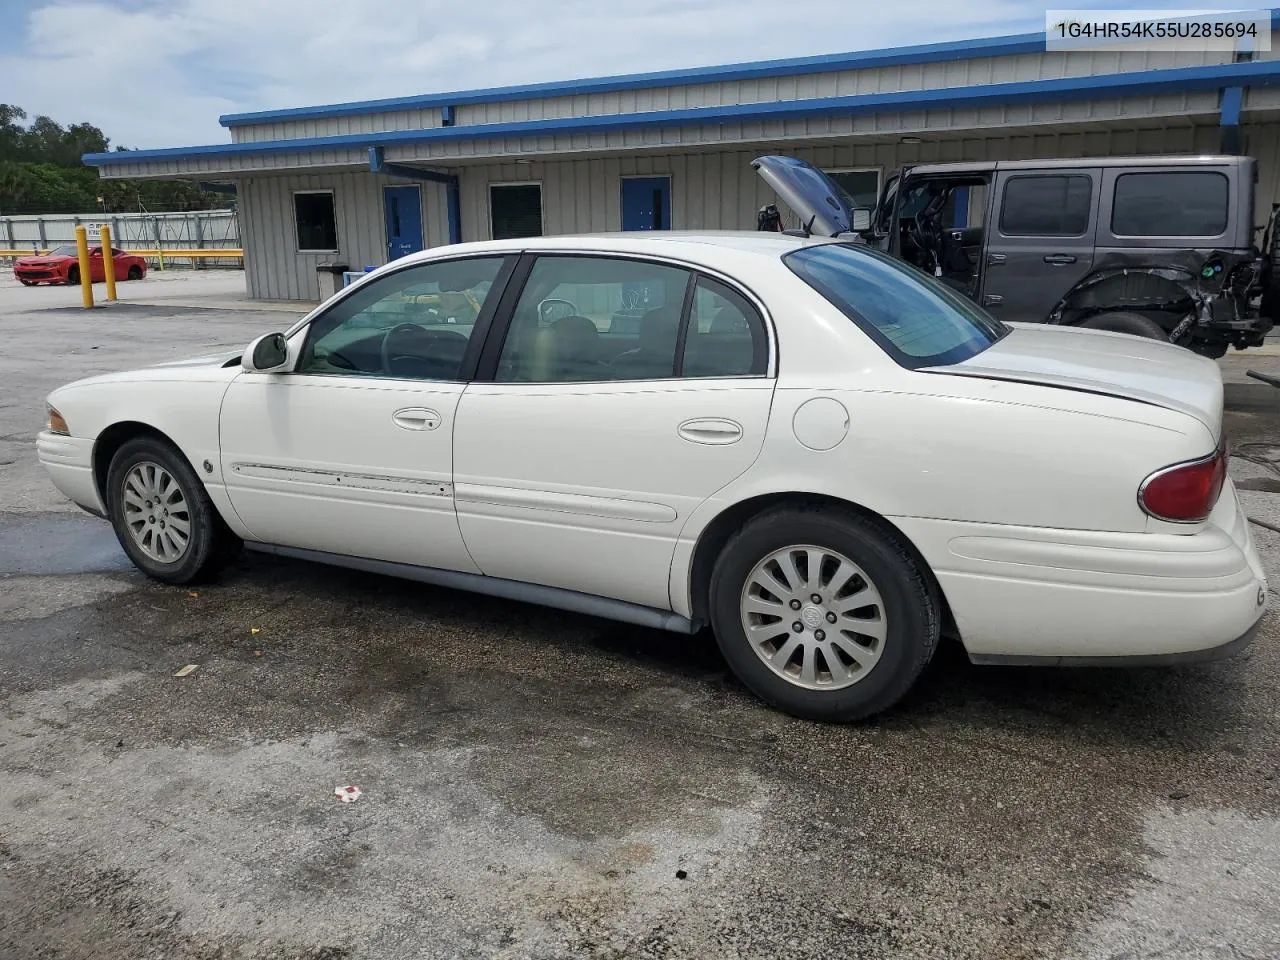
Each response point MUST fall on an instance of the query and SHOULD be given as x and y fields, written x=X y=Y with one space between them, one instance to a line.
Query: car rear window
x=915 y=319
x=1190 y=203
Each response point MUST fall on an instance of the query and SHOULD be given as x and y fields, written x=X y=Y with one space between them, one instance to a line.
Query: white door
x=626 y=393
x=351 y=453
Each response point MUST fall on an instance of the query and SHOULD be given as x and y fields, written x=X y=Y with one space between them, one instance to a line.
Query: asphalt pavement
x=539 y=784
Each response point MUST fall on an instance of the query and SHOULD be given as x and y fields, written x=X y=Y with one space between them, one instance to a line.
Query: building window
x=313 y=215
x=1046 y=206
x=515 y=210
x=861 y=188
x=1175 y=204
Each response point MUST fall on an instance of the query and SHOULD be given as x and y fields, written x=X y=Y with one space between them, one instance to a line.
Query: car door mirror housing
x=268 y=354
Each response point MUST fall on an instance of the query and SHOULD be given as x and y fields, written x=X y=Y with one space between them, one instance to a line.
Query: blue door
x=646 y=203
x=404 y=220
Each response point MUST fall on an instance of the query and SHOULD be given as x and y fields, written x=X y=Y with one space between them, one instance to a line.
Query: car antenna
x=806 y=229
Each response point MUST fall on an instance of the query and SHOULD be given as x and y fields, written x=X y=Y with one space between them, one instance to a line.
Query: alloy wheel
x=156 y=512
x=814 y=617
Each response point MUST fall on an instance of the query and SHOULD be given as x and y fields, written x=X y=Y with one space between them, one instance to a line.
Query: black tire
x=211 y=545
x=73 y=276
x=1121 y=322
x=135 y=272
x=28 y=283
x=911 y=609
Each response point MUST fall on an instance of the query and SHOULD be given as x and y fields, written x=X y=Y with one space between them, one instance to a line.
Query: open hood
x=810 y=193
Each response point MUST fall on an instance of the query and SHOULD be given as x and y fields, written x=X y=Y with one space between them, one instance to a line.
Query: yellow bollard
x=86 y=278
x=108 y=264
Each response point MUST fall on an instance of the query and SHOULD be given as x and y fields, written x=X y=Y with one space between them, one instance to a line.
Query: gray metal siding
x=1147 y=111
x=710 y=190
x=956 y=73
x=275 y=270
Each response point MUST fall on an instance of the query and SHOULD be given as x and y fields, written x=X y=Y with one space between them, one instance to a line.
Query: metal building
x=361 y=183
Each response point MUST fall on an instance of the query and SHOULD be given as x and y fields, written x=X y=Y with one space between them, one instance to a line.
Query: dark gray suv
x=1157 y=246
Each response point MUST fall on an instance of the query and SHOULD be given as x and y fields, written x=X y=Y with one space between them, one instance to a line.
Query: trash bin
x=329 y=277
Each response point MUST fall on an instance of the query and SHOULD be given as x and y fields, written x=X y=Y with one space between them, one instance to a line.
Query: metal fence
x=212 y=236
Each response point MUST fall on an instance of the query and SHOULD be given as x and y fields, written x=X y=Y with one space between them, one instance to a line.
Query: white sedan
x=817 y=451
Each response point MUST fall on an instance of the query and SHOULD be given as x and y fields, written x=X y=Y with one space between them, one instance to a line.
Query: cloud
x=156 y=74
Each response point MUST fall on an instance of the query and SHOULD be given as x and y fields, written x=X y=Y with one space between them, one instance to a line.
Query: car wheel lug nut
x=819 y=635
x=795 y=604
x=798 y=627
x=815 y=598
x=831 y=618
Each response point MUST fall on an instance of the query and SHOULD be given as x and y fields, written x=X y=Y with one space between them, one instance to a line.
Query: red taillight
x=1184 y=492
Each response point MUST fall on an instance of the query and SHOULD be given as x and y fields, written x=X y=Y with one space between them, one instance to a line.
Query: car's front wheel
x=823 y=613
x=162 y=514
x=135 y=272
x=73 y=276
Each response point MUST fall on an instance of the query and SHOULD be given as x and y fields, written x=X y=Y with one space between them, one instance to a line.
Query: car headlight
x=58 y=423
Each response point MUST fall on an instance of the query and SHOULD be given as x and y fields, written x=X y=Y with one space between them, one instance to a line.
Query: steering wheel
x=926 y=234
x=409 y=350
x=553 y=308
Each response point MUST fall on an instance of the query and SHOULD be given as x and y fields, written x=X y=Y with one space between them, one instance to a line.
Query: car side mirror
x=267 y=354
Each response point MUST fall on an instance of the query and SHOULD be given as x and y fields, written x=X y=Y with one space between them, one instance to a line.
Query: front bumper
x=69 y=462
x=37 y=274
x=1034 y=595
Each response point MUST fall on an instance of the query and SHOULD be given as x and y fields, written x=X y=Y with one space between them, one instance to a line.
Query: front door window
x=414 y=324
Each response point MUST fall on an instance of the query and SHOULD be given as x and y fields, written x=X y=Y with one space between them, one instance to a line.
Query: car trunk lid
x=1112 y=364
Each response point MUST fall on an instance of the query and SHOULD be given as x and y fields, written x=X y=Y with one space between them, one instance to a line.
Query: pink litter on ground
x=348 y=794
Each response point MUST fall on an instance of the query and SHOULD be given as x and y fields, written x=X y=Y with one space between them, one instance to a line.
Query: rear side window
x=725 y=337
x=915 y=319
x=1189 y=203
x=1048 y=206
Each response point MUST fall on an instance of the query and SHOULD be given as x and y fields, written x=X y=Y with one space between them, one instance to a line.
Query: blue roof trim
x=858 y=60
x=1256 y=73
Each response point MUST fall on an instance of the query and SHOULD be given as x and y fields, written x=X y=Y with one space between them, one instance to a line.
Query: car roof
x=1076 y=163
x=680 y=244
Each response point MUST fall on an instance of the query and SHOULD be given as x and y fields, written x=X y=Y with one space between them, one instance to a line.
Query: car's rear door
x=1039 y=241
x=579 y=451
x=351 y=452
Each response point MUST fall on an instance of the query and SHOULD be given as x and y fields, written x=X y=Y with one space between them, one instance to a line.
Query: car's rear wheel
x=823 y=613
x=1123 y=322
x=73 y=276
x=162 y=514
x=135 y=272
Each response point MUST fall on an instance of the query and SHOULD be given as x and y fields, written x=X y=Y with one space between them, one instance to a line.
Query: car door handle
x=416 y=418
x=710 y=430
x=992 y=300
x=995 y=259
x=1059 y=259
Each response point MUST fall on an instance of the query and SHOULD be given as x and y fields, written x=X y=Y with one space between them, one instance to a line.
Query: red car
x=60 y=265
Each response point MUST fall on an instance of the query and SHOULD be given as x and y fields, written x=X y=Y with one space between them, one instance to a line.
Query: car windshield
x=917 y=320
x=66 y=250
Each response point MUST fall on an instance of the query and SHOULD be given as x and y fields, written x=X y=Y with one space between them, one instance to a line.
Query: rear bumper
x=1023 y=595
x=69 y=463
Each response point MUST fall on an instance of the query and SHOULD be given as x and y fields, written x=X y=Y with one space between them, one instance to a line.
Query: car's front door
x=1040 y=240
x=351 y=452
x=577 y=463
x=97 y=267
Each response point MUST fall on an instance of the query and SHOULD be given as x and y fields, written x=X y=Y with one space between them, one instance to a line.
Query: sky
x=159 y=73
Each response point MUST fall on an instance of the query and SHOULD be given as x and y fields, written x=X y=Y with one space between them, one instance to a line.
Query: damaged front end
x=1206 y=303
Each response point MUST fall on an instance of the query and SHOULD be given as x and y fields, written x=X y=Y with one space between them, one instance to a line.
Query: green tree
x=41 y=172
